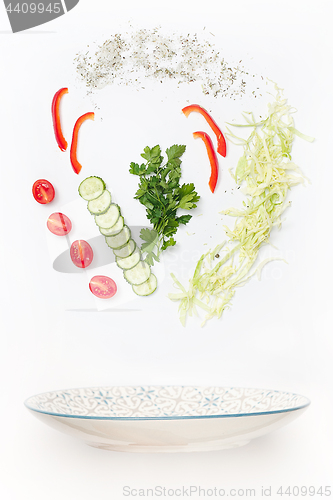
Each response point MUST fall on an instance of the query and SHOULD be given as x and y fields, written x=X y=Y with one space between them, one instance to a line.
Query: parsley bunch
x=162 y=195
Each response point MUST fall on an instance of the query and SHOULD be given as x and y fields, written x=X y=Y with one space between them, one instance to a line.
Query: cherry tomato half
x=59 y=224
x=43 y=191
x=81 y=253
x=103 y=287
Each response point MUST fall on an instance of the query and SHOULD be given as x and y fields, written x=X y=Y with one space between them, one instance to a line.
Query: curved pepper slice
x=74 y=161
x=61 y=141
x=221 y=144
x=212 y=158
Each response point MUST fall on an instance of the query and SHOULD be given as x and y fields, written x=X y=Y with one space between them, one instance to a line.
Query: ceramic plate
x=166 y=419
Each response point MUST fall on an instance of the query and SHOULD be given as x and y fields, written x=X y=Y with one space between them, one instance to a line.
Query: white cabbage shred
x=266 y=173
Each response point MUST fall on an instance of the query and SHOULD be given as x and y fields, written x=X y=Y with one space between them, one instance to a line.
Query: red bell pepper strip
x=74 y=161
x=214 y=165
x=221 y=144
x=62 y=143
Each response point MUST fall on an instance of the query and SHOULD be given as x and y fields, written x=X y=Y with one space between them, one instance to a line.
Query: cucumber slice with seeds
x=126 y=250
x=129 y=262
x=91 y=188
x=146 y=288
x=101 y=204
x=109 y=218
x=120 y=239
x=138 y=274
x=115 y=229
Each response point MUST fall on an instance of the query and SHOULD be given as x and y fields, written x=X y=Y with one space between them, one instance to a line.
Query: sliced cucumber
x=115 y=229
x=138 y=274
x=117 y=235
x=146 y=288
x=126 y=250
x=100 y=205
x=109 y=218
x=120 y=239
x=129 y=262
x=91 y=188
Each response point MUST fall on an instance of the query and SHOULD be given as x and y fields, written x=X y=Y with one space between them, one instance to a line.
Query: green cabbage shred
x=266 y=173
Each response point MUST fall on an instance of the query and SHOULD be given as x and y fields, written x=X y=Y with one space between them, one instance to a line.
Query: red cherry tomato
x=59 y=224
x=81 y=253
x=43 y=191
x=103 y=287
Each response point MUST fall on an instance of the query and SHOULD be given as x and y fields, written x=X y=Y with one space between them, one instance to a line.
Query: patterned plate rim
x=306 y=403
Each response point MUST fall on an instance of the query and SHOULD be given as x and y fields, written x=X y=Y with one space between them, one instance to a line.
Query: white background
x=278 y=332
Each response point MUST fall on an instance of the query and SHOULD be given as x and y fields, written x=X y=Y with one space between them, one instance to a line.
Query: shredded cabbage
x=266 y=173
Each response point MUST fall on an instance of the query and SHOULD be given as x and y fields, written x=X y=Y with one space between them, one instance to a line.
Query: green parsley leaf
x=137 y=169
x=175 y=151
x=169 y=243
x=186 y=202
x=184 y=219
x=186 y=190
x=152 y=155
x=150 y=237
x=160 y=192
x=150 y=258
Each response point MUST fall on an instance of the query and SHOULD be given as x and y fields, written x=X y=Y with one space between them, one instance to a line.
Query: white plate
x=166 y=419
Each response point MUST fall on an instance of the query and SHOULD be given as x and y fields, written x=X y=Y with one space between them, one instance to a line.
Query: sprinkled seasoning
x=130 y=58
